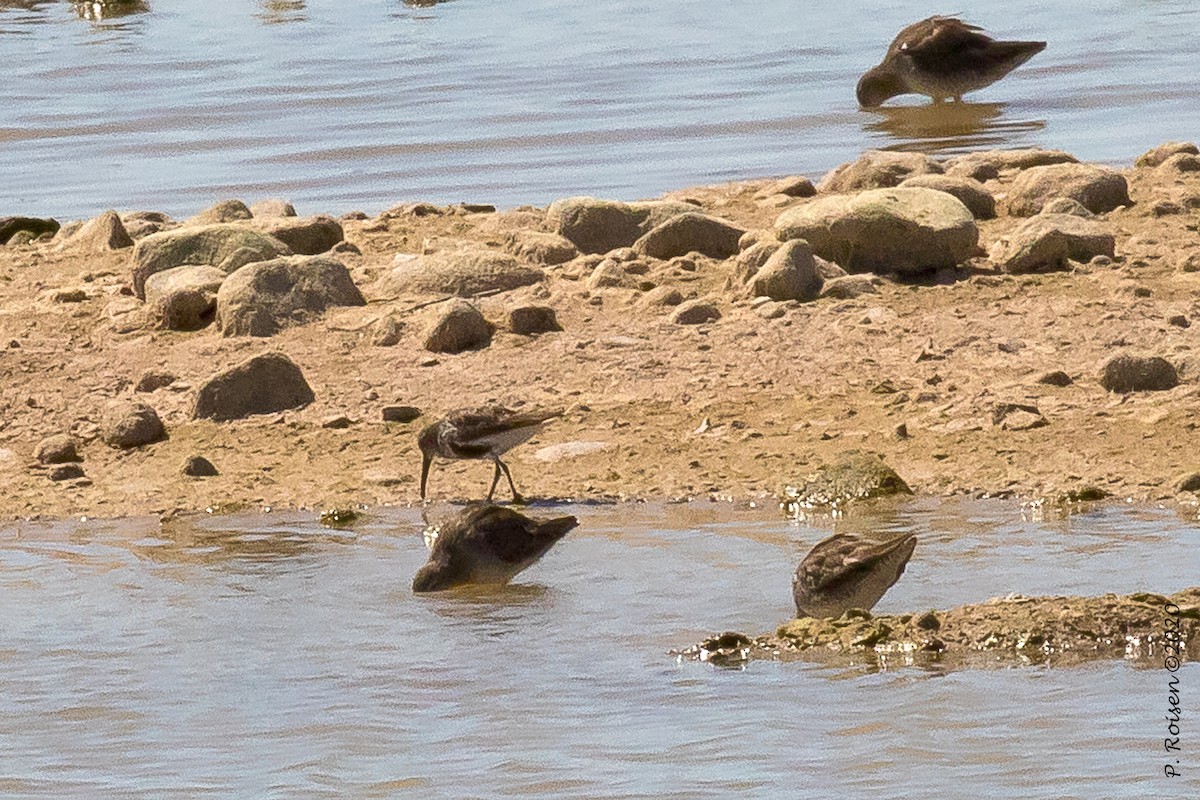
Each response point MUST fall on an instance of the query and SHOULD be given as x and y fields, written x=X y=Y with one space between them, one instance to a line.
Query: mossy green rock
x=854 y=476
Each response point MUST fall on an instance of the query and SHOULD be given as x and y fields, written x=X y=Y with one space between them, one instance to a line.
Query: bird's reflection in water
x=493 y=611
x=941 y=128
x=275 y=12
x=101 y=10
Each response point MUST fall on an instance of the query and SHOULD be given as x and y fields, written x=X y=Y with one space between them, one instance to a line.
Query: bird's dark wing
x=844 y=557
x=943 y=44
x=514 y=537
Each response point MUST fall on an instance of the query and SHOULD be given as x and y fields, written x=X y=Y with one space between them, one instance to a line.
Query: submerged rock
x=909 y=230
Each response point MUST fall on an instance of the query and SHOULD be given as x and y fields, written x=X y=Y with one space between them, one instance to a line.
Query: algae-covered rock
x=854 y=476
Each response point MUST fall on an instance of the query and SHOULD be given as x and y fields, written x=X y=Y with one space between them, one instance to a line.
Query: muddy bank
x=1143 y=627
x=721 y=341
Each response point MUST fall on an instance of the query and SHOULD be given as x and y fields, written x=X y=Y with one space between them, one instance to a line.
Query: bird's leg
x=517 y=498
x=495 y=480
x=958 y=98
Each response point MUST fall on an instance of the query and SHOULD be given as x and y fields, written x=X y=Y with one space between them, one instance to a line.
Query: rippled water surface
x=169 y=104
x=265 y=656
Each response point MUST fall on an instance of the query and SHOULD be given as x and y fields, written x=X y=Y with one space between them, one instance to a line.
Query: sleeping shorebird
x=485 y=543
x=941 y=57
x=479 y=433
x=846 y=571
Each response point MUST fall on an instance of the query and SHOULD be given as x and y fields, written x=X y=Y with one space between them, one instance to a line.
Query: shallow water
x=170 y=105
x=265 y=656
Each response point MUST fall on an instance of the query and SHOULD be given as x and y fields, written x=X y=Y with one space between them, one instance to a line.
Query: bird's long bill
x=426 y=460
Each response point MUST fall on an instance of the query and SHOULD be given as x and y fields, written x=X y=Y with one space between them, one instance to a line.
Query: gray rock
x=1066 y=205
x=1056 y=378
x=153 y=380
x=402 y=414
x=186 y=309
x=1157 y=155
x=1132 y=373
x=65 y=472
x=848 y=287
x=789 y=274
x=828 y=270
x=530 y=320
x=1098 y=189
x=460 y=272
x=662 y=296
x=226 y=247
x=223 y=211
x=1046 y=241
x=909 y=230
x=748 y=262
x=598 y=226
x=101 y=234
x=1188 y=482
x=140 y=224
x=308 y=236
x=878 y=169
x=1189 y=262
x=263 y=384
x=792 y=186
x=10 y=226
x=128 y=425
x=273 y=207
x=262 y=298
x=695 y=312
x=198 y=467
x=688 y=233
x=458 y=327
x=58 y=449
x=969 y=191
x=1177 y=165
x=387 y=331
x=197 y=278
x=538 y=247
x=608 y=274
x=989 y=164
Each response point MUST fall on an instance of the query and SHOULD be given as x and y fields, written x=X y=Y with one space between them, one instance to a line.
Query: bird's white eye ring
x=904 y=46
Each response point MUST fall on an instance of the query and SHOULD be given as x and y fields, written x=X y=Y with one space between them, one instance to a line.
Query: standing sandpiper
x=846 y=571
x=941 y=57
x=489 y=544
x=479 y=433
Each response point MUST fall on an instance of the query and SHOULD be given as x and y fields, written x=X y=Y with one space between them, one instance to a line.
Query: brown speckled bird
x=486 y=544
x=479 y=433
x=846 y=571
x=941 y=57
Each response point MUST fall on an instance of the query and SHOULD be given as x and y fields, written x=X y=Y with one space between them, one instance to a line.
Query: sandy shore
x=919 y=372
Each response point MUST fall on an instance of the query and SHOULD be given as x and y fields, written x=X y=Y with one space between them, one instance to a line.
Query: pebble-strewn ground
x=939 y=374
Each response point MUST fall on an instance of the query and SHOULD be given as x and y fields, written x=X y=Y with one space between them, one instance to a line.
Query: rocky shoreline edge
x=1142 y=628
x=1001 y=323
